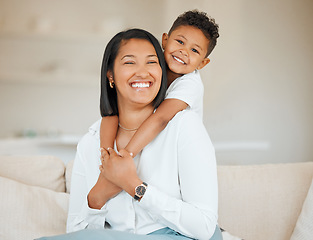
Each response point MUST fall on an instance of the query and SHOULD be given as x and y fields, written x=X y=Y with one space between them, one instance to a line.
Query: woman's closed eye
x=129 y=62
x=152 y=59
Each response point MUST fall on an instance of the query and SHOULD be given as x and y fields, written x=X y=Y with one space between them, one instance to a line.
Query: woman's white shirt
x=179 y=166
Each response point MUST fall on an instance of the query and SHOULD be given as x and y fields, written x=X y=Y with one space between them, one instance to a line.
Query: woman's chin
x=142 y=102
x=143 y=95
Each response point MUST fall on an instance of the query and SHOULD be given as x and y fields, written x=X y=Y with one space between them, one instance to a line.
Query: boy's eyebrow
x=187 y=40
x=199 y=46
x=182 y=36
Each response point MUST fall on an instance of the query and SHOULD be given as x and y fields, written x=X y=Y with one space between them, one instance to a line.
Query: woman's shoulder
x=91 y=140
x=94 y=129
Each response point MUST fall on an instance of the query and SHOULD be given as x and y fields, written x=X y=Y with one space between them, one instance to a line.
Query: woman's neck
x=130 y=119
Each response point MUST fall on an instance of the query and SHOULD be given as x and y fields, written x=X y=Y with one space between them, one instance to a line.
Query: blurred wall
x=258 y=101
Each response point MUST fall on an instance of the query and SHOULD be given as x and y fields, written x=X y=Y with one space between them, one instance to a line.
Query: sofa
x=255 y=201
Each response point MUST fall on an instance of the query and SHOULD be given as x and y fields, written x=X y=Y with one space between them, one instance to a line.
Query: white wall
x=258 y=101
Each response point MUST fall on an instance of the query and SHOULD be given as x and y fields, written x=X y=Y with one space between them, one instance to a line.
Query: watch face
x=140 y=190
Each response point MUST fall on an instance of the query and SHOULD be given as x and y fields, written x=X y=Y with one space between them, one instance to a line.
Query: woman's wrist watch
x=140 y=191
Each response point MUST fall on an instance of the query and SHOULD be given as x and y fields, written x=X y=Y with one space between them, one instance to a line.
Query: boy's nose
x=184 y=52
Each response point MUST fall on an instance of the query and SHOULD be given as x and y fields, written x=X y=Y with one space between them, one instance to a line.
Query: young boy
x=187 y=46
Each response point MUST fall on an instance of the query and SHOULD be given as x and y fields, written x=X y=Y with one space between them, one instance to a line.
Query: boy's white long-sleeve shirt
x=179 y=167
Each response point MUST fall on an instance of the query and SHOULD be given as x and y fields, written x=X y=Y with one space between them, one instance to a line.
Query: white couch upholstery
x=255 y=202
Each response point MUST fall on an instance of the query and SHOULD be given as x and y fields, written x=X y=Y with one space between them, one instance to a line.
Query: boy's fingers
x=124 y=153
x=104 y=153
x=112 y=153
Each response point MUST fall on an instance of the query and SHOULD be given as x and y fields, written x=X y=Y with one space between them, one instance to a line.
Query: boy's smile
x=179 y=60
x=185 y=49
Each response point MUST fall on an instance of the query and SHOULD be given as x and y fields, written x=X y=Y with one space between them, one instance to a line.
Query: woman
x=169 y=190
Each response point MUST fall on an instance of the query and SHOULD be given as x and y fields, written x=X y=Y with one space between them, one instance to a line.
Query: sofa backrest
x=263 y=201
x=258 y=201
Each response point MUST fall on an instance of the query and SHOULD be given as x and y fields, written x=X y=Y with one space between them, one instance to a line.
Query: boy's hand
x=103 y=151
x=101 y=168
x=120 y=169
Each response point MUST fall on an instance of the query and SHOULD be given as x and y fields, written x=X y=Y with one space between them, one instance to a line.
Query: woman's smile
x=138 y=85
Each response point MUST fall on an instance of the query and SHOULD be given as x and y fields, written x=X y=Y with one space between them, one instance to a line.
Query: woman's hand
x=103 y=189
x=120 y=170
x=101 y=192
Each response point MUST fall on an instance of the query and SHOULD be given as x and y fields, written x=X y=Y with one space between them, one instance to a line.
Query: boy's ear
x=203 y=63
x=164 y=40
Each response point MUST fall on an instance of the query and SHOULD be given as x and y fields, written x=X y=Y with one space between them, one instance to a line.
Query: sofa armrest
x=262 y=201
x=43 y=171
x=68 y=175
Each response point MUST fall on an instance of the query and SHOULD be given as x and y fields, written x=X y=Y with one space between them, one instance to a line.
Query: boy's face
x=185 y=49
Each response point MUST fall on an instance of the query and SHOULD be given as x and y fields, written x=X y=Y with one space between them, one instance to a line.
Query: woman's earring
x=111 y=82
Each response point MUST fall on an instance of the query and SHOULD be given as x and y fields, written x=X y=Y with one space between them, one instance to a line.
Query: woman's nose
x=142 y=72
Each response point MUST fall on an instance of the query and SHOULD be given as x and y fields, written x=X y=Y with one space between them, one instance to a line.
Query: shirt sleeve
x=80 y=215
x=189 y=88
x=195 y=214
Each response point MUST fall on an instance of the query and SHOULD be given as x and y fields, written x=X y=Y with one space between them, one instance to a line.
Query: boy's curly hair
x=199 y=20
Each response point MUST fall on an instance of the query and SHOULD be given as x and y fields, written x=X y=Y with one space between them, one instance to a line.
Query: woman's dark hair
x=201 y=21
x=108 y=96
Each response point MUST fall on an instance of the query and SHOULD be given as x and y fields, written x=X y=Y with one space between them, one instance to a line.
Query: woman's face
x=137 y=72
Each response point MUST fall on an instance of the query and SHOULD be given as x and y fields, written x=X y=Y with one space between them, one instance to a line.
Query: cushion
x=29 y=212
x=68 y=175
x=304 y=226
x=42 y=171
x=262 y=201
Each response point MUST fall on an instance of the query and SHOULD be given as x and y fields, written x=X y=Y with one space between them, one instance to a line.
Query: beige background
x=258 y=86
